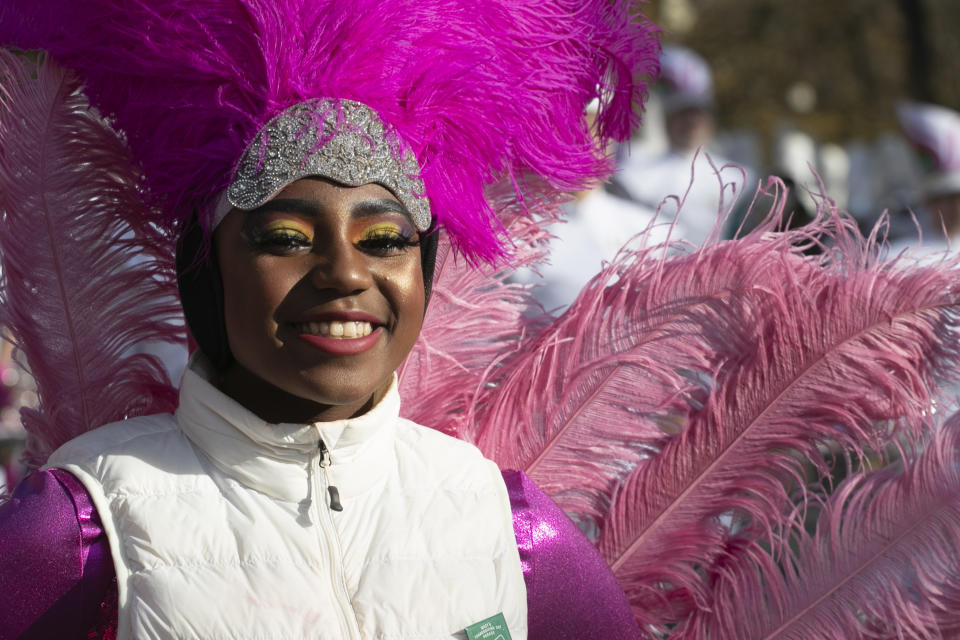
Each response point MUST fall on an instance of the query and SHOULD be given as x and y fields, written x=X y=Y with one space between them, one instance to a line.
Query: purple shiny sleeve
x=56 y=575
x=571 y=592
x=56 y=568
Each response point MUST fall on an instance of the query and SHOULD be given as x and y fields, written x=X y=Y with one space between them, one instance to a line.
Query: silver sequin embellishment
x=341 y=140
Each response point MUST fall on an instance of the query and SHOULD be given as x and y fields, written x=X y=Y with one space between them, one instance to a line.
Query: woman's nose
x=340 y=266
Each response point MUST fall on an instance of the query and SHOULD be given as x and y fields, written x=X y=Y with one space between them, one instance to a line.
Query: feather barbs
x=480 y=95
x=71 y=207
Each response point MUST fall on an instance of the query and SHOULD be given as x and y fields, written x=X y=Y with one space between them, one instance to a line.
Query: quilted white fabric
x=220 y=525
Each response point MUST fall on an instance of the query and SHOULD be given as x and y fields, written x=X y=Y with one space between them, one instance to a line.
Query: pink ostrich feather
x=883 y=562
x=602 y=387
x=476 y=320
x=844 y=350
x=480 y=93
x=71 y=210
x=683 y=389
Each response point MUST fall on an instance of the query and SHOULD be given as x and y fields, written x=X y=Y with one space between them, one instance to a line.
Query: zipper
x=331 y=539
x=333 y=493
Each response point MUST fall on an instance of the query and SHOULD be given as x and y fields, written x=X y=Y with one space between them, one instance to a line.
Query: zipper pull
x=333 y=492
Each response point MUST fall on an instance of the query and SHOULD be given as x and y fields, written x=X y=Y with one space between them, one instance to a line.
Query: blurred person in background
x=796 y=163
x=691 y=175
x=670 y=165
x=934 y=131
x=597 y=224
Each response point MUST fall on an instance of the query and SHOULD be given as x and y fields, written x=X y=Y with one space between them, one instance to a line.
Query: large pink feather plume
x=883 y=562
x=476 y=320
x=841 y=347
x=71 y=209
x=481 y=93
x=606 y=383
x=683 y=403
x=592 y=395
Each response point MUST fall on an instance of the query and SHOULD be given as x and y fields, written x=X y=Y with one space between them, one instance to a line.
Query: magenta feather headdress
x=479 y=92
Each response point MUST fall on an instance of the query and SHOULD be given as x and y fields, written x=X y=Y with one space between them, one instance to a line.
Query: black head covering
x=201 y=289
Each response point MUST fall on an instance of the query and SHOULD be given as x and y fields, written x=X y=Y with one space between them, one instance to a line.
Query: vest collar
x=276 y=458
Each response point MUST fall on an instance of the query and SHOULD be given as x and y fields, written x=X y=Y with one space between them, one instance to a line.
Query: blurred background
x=830 y=71
x=832 y=67
x=859 y=95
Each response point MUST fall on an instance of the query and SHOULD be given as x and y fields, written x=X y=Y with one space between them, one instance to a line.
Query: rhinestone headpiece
x=342 y=140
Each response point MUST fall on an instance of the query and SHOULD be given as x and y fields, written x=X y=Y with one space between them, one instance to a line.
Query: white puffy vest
x=220 y=525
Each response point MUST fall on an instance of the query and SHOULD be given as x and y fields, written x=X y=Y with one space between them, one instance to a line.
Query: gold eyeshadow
x=381 y=230
x=267 y=228
x=286 y=225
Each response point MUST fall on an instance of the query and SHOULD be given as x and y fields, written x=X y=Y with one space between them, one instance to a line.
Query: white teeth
x=336 y=329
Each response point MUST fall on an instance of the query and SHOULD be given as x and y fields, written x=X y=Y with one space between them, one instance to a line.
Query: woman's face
x=323 y=299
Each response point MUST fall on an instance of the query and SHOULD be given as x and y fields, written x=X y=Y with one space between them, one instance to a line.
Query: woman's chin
x=315 y=394
x=333 y=402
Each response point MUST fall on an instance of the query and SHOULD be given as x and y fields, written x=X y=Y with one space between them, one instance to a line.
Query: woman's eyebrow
x=368 y=208
x=309 y=208
x=289 y=205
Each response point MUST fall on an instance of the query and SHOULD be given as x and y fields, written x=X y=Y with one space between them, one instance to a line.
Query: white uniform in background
x=596 y=228
x=688 y=172
x=705 y=184
x=600 y=224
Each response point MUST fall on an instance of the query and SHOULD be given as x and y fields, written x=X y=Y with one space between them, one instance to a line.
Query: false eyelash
x=387 y=242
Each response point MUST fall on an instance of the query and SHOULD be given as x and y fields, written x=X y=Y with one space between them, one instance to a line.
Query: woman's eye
x=287 y=238
x=280 y=238
x=386 y=238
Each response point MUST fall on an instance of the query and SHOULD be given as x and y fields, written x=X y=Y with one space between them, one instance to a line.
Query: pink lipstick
x=343 y=346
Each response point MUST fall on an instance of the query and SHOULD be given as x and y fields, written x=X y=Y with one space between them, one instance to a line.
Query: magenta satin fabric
x=571 y=592
x=56 y=575
x=56 y=567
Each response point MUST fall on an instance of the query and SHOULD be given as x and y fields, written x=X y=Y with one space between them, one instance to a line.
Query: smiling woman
x=323 y=298
x=304 y=158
